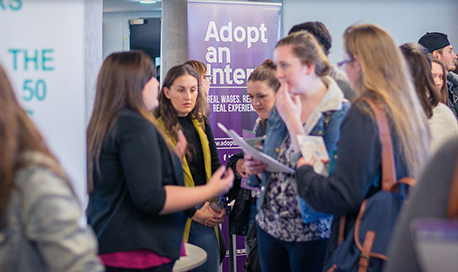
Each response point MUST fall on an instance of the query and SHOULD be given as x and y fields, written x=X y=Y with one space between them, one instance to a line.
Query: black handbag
x=252 y=263
x=240 y=213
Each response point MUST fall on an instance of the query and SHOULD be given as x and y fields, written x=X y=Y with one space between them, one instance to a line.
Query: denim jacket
x=40 y=230
x=333 y=102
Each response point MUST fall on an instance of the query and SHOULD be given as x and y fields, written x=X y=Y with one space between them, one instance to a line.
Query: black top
x=129 y=193
x=196 y=159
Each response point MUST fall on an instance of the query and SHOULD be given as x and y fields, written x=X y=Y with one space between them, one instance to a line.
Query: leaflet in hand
x=314 y=146
x=272 y=164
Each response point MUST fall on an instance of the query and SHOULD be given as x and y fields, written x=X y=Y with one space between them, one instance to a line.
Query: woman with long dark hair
x=135 y=179
x=181 y=104
x=441 y=120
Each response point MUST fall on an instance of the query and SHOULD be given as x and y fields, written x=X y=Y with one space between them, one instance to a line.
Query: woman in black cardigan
x=135 y=179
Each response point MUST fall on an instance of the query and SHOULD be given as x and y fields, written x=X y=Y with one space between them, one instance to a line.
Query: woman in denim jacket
x=286 y=242
x=39 y=212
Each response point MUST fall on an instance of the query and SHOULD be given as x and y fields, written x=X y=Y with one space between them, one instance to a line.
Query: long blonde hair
x=385 y=77
x=201 y=70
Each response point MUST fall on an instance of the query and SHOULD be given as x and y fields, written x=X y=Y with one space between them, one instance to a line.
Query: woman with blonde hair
x=137 y=195
x=204 y=81
x=377 y=70
x=39 y=211
x=309 y=101
x=204 y=76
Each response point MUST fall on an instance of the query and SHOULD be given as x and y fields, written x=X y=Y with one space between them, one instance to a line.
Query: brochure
x=314 y=146
x=272 y=164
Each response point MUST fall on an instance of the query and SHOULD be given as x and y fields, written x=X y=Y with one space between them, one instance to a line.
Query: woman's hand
x=288 y=106
x=240 y=168
x=180 y=148
x=301 y=162
x=221 y=181
x=252 y=166
x=219 y=219
x=204 y=214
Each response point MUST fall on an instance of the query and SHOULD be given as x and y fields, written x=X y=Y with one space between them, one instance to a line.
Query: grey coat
x=40 y=231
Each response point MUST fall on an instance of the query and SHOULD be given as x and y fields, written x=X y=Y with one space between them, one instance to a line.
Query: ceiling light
x=147 y=2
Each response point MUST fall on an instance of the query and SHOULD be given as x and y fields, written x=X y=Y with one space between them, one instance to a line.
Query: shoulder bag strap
x=388 y=167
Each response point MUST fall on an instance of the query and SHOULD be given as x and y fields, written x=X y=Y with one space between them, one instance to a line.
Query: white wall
x=116 y=29
x=60 y=46
x=405 y=20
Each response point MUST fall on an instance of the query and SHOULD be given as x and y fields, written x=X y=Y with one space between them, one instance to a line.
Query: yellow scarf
x=188 y=180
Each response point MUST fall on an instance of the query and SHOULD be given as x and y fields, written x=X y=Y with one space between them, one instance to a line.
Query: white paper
x=272 y=164
x=314 y=146
x=253 y=141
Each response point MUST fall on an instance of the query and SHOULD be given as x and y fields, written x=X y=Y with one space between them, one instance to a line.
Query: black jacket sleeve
x=357 y=164
x=232 y=163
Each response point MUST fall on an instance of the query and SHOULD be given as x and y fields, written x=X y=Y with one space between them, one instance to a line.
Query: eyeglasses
x=342 y=64
x=210 y=77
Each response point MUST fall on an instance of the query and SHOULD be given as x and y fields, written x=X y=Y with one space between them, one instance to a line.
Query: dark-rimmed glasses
x=210 y=77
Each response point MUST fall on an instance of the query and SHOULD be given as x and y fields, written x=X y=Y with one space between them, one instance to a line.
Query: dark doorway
x=145 y=35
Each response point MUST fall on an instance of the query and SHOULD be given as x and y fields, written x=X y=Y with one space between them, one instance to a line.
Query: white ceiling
x=129 y=6
x=134 y=6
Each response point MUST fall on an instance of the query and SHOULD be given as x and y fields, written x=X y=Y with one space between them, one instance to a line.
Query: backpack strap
x=388 y=175
x=388 y=167
x=389 y=181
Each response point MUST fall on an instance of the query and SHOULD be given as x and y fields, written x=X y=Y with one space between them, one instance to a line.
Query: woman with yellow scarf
x=181 y=104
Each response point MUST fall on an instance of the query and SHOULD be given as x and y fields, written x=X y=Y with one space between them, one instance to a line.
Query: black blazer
x=129 y=193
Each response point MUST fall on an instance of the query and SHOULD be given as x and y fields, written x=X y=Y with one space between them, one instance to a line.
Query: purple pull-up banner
x=232 y=39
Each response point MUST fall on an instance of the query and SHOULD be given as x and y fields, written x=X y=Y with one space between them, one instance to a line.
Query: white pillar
x=174 y=47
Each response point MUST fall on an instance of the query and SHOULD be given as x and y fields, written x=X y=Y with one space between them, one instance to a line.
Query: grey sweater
x=42 y=232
